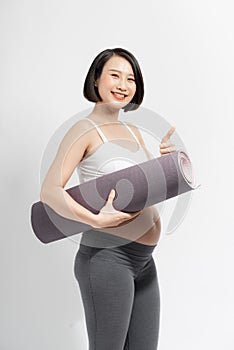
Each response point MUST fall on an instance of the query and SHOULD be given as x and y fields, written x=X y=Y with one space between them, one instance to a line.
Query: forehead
x=119 y=63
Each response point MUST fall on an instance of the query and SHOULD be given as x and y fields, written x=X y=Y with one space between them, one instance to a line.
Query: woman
x=114 y=266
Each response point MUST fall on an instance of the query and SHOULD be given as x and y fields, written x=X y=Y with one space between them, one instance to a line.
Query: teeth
x=121 y=95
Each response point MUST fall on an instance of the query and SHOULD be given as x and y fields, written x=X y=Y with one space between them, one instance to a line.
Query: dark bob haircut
x=90 y=91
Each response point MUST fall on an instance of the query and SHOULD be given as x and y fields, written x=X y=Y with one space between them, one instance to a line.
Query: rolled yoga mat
x=136 y=187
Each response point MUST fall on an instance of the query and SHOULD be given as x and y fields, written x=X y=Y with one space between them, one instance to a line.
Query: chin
x=115 y=105
x=121 y=104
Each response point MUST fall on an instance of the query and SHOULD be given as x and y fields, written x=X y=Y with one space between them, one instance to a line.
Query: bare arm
x=69 y=154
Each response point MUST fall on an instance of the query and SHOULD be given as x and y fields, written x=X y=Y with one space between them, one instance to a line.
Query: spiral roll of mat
x=136 y=187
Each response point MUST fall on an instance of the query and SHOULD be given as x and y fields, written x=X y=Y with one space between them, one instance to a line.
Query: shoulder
x=82 y=125
x=140 y=138
x=80 y=130
x=137 y=132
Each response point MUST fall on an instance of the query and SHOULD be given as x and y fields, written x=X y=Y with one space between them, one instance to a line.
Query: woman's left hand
x=166 y=146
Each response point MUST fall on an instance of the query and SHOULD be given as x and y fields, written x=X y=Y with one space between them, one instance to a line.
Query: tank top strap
x=103 y=137
x=128 y=127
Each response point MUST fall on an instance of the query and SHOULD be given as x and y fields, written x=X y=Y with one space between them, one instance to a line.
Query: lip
x=118 y=95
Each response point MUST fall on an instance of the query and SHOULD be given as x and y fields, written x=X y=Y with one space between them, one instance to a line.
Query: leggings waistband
x=97 y=240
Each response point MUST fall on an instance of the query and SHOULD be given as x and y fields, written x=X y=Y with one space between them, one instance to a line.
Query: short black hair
x=90 y=91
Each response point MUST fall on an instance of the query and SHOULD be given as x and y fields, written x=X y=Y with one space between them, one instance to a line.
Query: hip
x=132 y=255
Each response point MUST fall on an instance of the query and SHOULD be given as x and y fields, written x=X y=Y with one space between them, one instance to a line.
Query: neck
x=105 y=113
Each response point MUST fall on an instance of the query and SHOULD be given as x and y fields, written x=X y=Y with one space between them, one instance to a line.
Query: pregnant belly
x=151 y=237
x=145 y=228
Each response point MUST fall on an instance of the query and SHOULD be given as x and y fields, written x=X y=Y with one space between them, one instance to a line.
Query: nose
x=122 y=84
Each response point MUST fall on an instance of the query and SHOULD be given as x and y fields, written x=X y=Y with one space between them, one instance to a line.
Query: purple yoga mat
x=136 y=187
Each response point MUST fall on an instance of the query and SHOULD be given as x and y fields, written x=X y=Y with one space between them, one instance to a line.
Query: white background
x=186 y=52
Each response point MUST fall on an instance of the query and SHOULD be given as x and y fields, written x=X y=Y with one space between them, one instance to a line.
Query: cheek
x=133 y=89
x=106 y=84
x=102 y=88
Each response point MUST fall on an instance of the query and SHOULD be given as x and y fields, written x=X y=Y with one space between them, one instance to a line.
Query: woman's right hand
x=108 y=216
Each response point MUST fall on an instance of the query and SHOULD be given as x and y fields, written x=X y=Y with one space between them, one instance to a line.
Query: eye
x=131 y=79
x=114 y=75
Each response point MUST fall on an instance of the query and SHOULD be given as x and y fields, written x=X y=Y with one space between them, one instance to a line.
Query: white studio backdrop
x=186 y=52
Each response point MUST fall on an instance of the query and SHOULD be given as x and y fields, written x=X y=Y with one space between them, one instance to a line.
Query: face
x=116 y=85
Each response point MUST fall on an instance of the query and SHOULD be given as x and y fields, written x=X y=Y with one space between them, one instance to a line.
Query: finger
x=108 y=207
x=111 y=196
x=136 y=213
x=167 y=145
x=167 y=150
x=168 y=134
x=164 y=151
x=131 y=215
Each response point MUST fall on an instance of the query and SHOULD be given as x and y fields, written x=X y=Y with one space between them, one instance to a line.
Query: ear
x=95 y=83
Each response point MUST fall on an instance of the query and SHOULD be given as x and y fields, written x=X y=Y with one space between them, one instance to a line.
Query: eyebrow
x=116 y=70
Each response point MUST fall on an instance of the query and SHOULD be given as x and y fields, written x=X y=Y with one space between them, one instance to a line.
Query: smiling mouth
x=118 y=95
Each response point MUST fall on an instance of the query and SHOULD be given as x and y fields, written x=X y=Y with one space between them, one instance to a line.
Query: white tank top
x=110 y=156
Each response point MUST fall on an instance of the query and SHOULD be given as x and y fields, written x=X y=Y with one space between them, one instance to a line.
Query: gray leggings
x=120 y=294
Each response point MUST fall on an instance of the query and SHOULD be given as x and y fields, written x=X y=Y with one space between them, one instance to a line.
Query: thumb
x=108 y=207
x=168 y=134
x=111 y=196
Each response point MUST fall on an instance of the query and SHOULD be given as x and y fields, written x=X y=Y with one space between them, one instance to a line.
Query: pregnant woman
x=114 y=266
